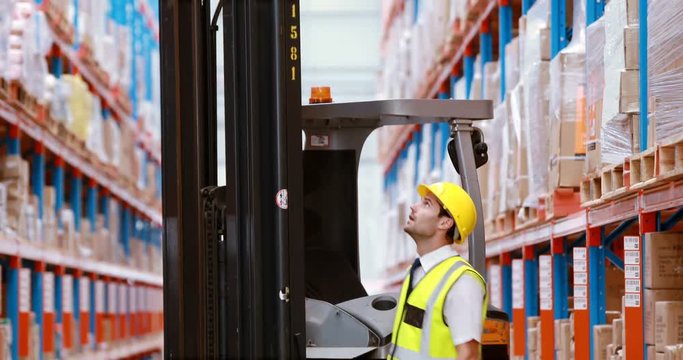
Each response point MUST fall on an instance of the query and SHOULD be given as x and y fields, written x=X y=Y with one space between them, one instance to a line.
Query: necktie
x=416 y=264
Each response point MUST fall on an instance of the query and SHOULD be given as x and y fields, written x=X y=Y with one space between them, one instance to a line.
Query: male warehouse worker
x=443 y=299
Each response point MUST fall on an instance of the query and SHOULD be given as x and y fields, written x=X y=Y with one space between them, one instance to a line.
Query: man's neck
x=428 y=245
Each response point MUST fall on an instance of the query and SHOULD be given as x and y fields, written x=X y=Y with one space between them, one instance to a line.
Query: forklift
x=266 y=266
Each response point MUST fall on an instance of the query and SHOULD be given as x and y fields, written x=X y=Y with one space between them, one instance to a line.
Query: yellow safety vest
x=419 y=329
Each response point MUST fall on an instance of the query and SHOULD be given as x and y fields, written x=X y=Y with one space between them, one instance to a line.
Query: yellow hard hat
x=457 y=202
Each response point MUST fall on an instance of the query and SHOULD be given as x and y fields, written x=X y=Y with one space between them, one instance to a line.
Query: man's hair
x=451 y=233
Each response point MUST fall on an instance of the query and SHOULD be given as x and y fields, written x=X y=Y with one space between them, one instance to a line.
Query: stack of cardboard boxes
x=613 y=101
x=564 y=349
x=665 y=69
x=663 y=293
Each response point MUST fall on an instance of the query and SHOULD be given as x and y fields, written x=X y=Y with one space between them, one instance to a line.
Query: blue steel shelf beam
x=558 y=26
x=485 y=50
x=506 y=272
x=530 y=283
x=596 y=279
x=560 y=278
x=76 y=196
x=468 y=67
x=58 y=180
x=643 y=44
x=37 y=300
x=526 y=5
x=672 y=220
x=38 y=175
x=594 y=10
x=504 y=37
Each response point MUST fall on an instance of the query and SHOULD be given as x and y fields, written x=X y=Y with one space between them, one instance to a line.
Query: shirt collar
x=430 y=260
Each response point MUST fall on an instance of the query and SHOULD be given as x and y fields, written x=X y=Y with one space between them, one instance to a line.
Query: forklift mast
x=233 y=297
x=244 y=262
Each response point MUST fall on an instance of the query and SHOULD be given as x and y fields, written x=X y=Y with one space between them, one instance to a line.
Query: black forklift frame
x=234 y=255
x=263 y=148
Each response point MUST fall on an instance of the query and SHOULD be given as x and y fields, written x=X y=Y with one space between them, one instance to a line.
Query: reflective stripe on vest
x=432 y=340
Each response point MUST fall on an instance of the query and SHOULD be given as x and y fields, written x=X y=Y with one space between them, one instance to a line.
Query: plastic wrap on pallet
x=567 y=108
x=476 y=87
x=518 y=121
x=621 y=84
x=491 y=88
x=494 y=135
x=665 y=67
x=535 y=40
x=536 y=107
x=595 y=80
x=512 y=64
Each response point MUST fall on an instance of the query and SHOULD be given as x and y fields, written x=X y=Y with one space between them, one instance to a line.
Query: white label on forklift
x=580 y=278
x=494 y=286
x=580 y=253
x=111 y=294
x=67 y=294
x=631 y=257
x=84 y=294
x=632 y=271
x=580 y=291
x=580 y=265
x=48 y=292
x=282 y=199
x=631 y=243
x=24 y=290
x=518 y=284
x=99 y=296
x=580 y=303
x=319 y=141
x=632 y=300
x=632 y=285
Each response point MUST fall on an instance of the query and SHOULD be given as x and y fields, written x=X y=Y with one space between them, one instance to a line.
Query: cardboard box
x=668 y=324
x=651 y=298
x=617 y=331
x=566 y=121
x=602 y=336
x=650 y=350
x=632 y=47
x=545 y=44
x=663 y=261
x=629 y=91
x=633 y=12
x=532 y=339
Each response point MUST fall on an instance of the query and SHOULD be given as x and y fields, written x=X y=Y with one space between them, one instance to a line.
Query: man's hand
x=468 y=350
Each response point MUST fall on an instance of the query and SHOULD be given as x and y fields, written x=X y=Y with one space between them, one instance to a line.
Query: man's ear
x=446 y=223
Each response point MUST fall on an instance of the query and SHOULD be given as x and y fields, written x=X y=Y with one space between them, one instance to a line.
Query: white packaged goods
x=665 y=67
x=567 y=84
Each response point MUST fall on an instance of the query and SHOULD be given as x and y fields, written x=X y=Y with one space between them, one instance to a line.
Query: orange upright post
x=518 y=310
x=545 y=277
x=582 y=330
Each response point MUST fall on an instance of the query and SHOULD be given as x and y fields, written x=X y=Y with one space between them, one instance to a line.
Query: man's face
x=424 y=220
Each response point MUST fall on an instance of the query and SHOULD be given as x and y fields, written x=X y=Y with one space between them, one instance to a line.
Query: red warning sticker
x=281 y=199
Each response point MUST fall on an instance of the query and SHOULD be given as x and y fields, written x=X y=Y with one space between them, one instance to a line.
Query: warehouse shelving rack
x=580 y=243
x=60 y=289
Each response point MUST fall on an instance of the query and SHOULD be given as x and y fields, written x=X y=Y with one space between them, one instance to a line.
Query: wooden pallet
x=504 y=223
x=591 y=190
x=670 y=159
x=615 y=181
x=526 y=217
x=21 y=100
x=643 y=169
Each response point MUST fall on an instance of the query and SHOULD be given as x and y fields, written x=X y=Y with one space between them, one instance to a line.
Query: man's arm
x=468 y=350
